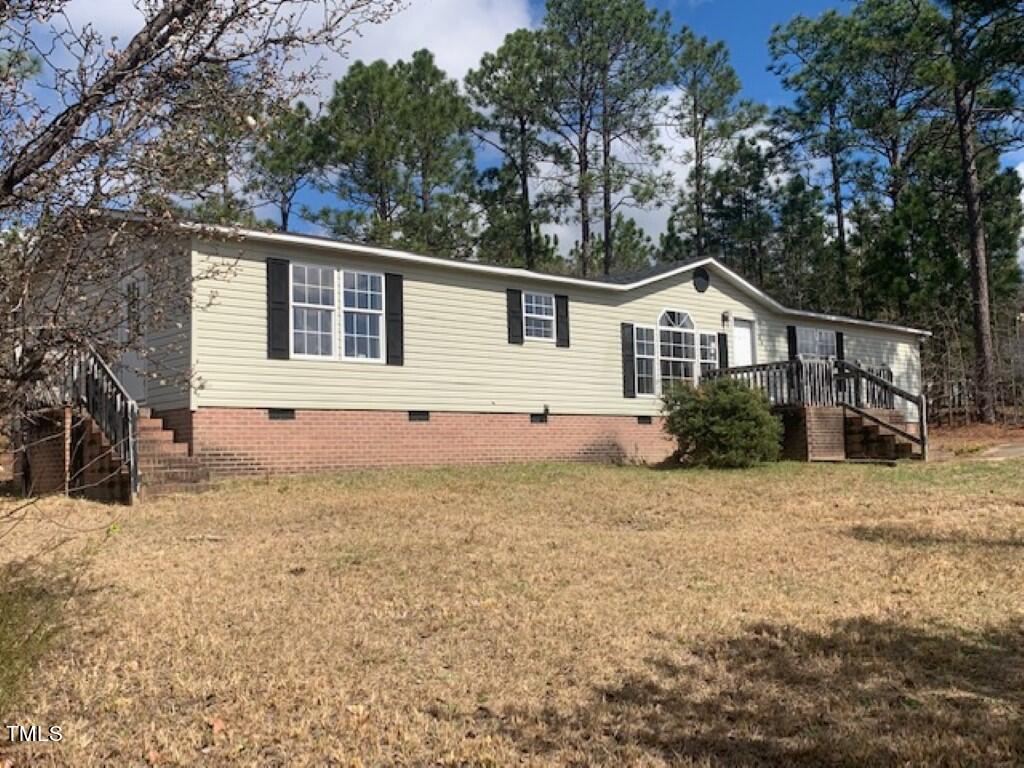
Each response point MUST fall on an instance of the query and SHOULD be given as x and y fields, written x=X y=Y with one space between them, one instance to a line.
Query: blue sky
x=744 y=25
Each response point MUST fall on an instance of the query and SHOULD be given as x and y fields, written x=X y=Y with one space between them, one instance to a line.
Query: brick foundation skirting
x=248 y=441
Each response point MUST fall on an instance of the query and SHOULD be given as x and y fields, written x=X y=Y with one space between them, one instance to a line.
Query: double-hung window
x=815 y=342
x=708 y=353
x=313 y=310
x=678 y=349
x=316 y=329
x=539 y=315
x=363 y=310
x=645 y=350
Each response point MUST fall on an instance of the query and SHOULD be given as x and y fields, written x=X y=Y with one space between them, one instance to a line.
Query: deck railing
x=94 y=386
x=833 y=383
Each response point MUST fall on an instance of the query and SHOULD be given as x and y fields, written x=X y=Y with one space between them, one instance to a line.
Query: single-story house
x=313 y=354
x=301 y=354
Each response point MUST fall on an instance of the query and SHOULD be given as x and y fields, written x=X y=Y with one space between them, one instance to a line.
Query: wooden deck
x=833 y=410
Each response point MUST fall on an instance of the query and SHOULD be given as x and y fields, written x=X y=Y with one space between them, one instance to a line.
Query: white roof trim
x=288 y=238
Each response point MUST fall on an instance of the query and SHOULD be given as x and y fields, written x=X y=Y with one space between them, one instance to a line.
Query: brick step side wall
x=241 y=441
x=820 y=433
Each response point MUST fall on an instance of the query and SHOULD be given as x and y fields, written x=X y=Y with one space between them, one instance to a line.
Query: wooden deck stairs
x=835 y=409
x=866 y=439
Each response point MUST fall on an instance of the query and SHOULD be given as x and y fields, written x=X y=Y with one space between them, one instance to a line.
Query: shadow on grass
x=33 y=601
x=910 y=537
x=864 y=693
x=10 y=491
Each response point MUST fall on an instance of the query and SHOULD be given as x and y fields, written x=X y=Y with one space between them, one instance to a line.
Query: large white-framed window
x=708 y=352
x=815 y=342
x=539 y=315
x=363 y=310
x=678 y=349
x=645 y=356
x=314 y=305
x=336 y=313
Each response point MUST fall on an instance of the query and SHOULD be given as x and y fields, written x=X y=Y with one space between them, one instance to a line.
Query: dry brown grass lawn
x=547 y=615
x=973 y=438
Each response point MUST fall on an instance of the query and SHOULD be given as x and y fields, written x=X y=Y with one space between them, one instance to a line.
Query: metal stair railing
x=94 y=386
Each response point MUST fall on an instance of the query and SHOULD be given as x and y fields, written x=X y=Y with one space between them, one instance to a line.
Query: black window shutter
x=791 y=341
x=395 y=319
x=277 y=309
x=723 y=350
x=840 y=350
x=562 y=321
x=628 y=362
x=515 y=316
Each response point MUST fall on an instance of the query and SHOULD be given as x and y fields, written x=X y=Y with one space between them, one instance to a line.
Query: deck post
x=922 y=424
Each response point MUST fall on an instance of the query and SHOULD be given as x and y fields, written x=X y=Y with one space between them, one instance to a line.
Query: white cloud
x=459 y=32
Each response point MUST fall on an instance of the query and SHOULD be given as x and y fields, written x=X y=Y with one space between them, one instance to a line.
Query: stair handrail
x=95 y=387
x=847 y=370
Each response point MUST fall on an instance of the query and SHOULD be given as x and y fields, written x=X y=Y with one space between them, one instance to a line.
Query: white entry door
x=743 y=343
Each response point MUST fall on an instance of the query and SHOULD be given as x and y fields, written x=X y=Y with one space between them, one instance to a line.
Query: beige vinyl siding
x=168 y=365
x=872 y=347
x=900 y=353
x=169 y=360
x=457 y=355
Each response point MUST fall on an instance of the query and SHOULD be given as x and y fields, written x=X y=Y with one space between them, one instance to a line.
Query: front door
x=743 y=343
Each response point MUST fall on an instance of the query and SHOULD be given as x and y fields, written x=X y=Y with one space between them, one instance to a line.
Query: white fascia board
x=286 y=238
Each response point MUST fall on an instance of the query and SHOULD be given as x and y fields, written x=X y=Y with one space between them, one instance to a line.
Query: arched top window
x=677 y=347
x=670 y=319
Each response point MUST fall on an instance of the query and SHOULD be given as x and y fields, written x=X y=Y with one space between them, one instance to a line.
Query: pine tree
x=399 y=158
x=811 y=57
x=610 y=58
x=710 y=114
x=437 y=159
x=283 y=159
x=509 y=91
x=361 y=139
x=984 y=66
x=633 y=248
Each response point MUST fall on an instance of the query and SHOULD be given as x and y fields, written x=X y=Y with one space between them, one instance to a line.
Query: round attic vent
x=701 y=279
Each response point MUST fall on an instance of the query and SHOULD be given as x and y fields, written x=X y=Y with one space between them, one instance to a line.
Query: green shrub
x=722 y=423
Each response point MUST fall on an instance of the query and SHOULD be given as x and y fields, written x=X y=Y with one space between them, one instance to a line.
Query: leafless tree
x=91 y=123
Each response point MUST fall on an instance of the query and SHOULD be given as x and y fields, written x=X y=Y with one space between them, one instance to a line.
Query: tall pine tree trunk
x=584 y=199
x=837 y=203
x=286 y=209
x=609 y=247
x=983 y=349
x=606 y=181
x=524 y=196
x=698 y=188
